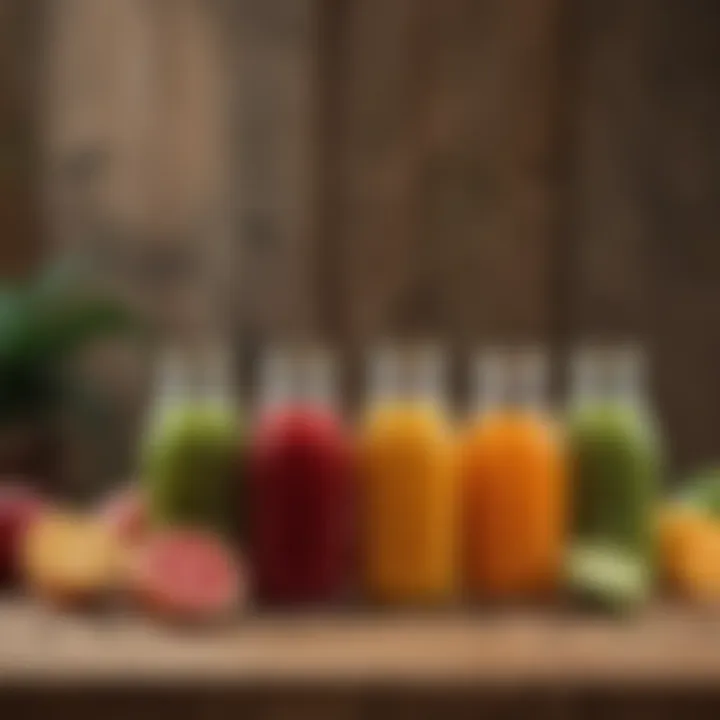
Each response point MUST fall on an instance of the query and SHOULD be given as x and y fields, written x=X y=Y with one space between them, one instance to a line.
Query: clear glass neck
x=407 y=374
x=297 y=376
x=608 y=374
x=510 y=379
x=201 y=375
x=172 y=382
x=217 y=381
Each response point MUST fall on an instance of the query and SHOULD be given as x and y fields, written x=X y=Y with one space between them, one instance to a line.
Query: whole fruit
x=187 y=576
x=690 y=553
x=70 y=560
x=19 y=506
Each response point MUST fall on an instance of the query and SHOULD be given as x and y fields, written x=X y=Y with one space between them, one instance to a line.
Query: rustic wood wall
x=20 y=197
x=482 y=170
x=643 y=191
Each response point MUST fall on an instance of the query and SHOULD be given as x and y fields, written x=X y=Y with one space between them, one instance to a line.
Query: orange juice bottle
x=514 y=486
x=409 y=483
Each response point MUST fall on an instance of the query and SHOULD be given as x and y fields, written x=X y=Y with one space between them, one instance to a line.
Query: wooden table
x=348 y=660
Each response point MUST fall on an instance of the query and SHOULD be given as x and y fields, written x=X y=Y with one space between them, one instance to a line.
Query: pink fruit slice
x=186 y=575
x=125 y=514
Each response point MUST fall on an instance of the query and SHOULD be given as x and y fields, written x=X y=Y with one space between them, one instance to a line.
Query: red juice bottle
x=300 y=480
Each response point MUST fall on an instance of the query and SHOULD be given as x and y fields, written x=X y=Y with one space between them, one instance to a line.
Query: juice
x=616 y=466
x=301 y=501
x=616 y=454
x=410 y=493
x=189 y=458
x=514 y=484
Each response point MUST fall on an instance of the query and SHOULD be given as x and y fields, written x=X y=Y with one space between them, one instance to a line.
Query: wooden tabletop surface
x=664 y=645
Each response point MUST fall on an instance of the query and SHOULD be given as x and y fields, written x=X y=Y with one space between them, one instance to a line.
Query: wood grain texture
x=644 y=201
x=343 y=704
x=669 y=647
x=137 y=182
x=446 y=142
x=485 y=189
x=137 y=150
x=376 y=164
x=21 y=212
x=440 y=123
x=274 y=167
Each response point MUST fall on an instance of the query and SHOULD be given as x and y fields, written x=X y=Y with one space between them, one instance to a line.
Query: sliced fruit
x=125 y=514
x=186 y=575
x=609 y=577
x=69 y=559
x=19 y=506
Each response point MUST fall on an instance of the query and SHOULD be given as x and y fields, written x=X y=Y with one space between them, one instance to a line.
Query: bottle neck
x=510 y=380
x=201 y=377
x=217 y=382
x=609 y=376
x=172 y=381
x=297 y=378
x=407 y=375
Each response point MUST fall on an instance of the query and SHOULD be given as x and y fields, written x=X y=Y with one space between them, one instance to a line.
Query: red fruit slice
x=186 y=575
x=125 y=514
x=19 y=506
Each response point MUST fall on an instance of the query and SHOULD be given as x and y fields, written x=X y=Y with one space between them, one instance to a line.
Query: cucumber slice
x=609 y=577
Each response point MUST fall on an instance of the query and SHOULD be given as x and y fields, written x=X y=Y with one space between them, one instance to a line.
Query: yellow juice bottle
x=409 y=487
x=514 y=483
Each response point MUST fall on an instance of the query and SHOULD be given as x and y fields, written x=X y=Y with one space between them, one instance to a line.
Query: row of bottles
x=407 y=508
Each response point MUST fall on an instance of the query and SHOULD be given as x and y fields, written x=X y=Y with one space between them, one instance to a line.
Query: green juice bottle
x=616 y=464
x=191 y=454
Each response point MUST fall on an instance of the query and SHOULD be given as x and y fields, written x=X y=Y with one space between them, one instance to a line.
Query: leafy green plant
x=701 y=491
x=43 y=324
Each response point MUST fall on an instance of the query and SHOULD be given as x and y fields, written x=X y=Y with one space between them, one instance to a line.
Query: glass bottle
x=189 y=449
x=616 y=447
x=408 y=480
x=514 y=480
x=616 y=456
x=300 y=482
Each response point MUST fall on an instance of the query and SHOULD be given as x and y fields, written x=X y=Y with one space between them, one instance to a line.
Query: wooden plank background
x=479 y=170
x=21 y=55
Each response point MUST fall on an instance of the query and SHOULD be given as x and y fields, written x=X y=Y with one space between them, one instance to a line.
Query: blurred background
x=478 y=170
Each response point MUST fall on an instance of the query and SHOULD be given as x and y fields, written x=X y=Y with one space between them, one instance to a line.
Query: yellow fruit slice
x=70 y=559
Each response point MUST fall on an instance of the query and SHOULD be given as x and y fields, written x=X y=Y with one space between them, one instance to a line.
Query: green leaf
x=59 y=279
x=702 y=492
x=78 y=321
x=42 y=324
x=68 y=315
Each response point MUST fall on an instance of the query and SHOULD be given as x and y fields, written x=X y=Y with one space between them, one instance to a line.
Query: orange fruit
x=690 y=553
